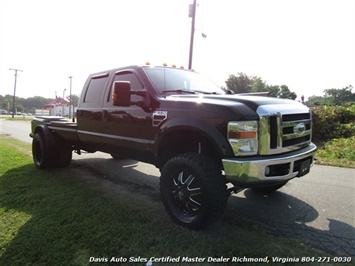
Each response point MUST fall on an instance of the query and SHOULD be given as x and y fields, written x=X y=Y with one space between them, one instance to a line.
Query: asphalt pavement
x=318 y=208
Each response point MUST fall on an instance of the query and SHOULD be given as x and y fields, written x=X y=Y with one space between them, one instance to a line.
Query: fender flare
x=49 y=137
x=219 y=142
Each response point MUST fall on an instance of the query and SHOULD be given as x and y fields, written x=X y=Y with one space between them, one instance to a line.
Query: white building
x=60 y=107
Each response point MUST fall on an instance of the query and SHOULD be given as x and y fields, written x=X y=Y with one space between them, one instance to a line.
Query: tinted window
x=165 y=79
x=95 y=89
x=136 y=85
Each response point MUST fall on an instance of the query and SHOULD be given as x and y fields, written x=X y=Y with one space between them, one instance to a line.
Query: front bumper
x=256 y=171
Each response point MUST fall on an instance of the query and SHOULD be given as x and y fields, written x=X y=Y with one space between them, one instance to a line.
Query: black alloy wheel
x=187 y=193
x=193 y=190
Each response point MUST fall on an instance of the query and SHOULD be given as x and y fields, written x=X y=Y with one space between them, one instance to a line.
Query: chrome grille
x=284 y=128
x=296 y=130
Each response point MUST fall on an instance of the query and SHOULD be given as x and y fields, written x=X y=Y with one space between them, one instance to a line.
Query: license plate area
x=303 y=167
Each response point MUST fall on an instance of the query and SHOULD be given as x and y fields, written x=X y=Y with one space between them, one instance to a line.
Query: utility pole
x=70 y=98
x=192 y=14
x=14 y=99
x=63 y=109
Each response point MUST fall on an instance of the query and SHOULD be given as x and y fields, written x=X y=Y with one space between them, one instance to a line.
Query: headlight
x=243 y=137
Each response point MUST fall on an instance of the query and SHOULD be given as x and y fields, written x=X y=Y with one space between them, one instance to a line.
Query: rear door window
x=95 y=89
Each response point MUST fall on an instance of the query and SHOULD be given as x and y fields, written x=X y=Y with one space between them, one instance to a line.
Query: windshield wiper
x=179 y=91
x=206 y=92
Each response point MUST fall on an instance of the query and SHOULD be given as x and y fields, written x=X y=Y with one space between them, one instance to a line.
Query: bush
x=333 y=122
x=339 y=149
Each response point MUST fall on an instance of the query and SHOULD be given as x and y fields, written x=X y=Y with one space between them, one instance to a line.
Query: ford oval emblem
x=299 y=129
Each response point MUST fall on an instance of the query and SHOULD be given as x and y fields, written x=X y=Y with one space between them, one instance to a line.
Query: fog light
x=267 y=170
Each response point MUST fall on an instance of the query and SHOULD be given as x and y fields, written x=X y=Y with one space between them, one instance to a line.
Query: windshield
x=177 y=80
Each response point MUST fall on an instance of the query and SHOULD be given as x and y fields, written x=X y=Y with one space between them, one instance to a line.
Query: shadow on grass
x=71 y=218
x=283 y=214
x=69 y=222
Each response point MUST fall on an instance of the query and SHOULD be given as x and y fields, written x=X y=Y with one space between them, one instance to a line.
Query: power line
x=14 y=99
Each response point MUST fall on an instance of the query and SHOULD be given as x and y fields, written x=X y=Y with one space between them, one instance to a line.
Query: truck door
x=127 y=129
x=90 y=111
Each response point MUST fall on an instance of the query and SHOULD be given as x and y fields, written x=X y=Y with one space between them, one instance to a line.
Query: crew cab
x=206 y=142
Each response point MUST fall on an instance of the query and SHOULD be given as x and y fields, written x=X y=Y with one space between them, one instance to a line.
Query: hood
x=253 y=102
x=231 y=107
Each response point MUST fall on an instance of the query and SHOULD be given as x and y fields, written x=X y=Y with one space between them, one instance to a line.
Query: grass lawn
x=337 y=152
x=51 y=217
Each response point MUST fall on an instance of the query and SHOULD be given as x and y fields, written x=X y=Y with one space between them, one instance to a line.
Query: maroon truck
x=200 y=137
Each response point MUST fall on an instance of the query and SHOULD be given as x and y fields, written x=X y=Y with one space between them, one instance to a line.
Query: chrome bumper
x=253 y=171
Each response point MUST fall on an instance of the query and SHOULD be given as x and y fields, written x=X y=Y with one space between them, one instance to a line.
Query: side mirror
x=121 y=95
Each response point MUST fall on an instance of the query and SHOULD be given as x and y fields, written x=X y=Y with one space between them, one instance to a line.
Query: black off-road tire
x=193 y=190
x=42 y=156
x=65 y=154
x=58 y=155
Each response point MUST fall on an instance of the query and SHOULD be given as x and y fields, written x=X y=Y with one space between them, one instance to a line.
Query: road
x=17 y=129
x=318 y=208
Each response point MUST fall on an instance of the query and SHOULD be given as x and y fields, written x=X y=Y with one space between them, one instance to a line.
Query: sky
x=308 y=45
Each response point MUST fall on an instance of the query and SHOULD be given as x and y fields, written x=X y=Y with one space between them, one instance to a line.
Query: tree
x=5 y=102
x=281 y=92
x=36 y=102
x=333 y=97
x=242 y=83
x=74 y=99
x=258 y=85
x=285 y=93
x=273 y=90
x=23 y=105
x=318 y=100
x=340 y=96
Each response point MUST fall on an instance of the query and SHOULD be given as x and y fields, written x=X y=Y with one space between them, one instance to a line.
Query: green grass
x=52 y=217
x=337 y=152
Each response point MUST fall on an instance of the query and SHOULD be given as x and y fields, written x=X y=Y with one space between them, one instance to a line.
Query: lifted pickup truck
x=200 y=137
